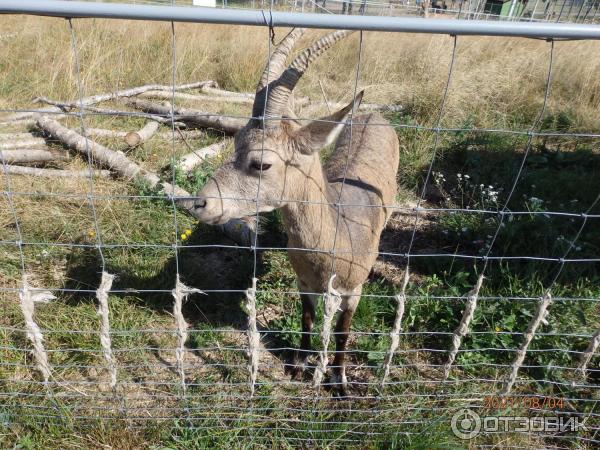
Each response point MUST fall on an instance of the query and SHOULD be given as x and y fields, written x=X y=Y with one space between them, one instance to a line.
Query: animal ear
x=323 y=132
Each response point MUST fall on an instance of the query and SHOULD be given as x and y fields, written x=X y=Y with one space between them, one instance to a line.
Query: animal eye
x=256 y=165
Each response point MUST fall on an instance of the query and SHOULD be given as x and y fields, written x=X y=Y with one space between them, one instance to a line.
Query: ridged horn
x=274 y=68
x=276 y=64
x=281 y=89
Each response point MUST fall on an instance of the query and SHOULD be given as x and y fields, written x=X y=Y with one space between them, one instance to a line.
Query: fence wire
x=421 y=350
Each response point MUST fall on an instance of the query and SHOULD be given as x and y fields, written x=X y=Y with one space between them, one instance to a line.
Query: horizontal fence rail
x=272 y=18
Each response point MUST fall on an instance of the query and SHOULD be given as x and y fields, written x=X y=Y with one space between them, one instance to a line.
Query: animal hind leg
x=342 y=330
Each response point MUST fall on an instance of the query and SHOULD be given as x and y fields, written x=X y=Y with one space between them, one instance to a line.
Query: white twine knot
x=332 y=300
x=34 y=334
x=253 y=335
x=105 y=341
x=534 y=323
x=589 y=352
x=180 y=294
x=463 y=326
x=395 y=332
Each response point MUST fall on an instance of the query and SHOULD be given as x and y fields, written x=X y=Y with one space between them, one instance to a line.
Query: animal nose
x=200 y=203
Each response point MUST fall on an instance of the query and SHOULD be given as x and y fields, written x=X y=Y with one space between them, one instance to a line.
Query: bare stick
x=31 y=156
x=165 y=95
x=86 y=101
x=179 y=134
x=24 y=143
x=16 y=136
x=136 y=138
x=106 y=111
x=224 y=93
x=228 y=125
x=191 y=160
x=54 y=173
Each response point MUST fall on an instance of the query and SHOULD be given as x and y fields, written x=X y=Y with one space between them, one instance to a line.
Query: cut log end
x=133 y=139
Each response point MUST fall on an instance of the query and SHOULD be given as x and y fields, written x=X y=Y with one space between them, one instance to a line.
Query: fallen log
x=238 y=230
x=136 y=138
x=192 y=160
x=53 y=173
x=22 y=143
x=31 y=156
x=191 y=117
x=86 y=101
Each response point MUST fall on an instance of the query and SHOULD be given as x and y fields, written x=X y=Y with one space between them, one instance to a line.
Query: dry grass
x=496 y=81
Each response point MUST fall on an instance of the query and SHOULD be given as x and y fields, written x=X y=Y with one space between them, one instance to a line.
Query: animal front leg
x=342 y=330
x=308 y=320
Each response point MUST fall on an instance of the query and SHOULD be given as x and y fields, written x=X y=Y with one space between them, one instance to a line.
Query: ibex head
x=274 y=153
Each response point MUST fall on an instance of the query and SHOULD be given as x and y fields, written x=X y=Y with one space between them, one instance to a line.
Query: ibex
x=335 y=212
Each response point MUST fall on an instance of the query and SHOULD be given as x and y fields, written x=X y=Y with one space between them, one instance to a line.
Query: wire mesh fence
x=479 y=302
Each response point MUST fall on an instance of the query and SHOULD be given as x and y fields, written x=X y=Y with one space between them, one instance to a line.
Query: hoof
x=298 y=369
x=339 y=385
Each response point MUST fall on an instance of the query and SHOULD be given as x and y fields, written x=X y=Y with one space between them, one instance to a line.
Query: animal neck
x=309 y=218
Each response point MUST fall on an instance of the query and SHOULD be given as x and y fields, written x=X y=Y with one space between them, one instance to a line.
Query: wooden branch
x=115 y=161
x=31 y=156
x=108 y=112
x=165 y=95
x=238 y=230
x=190 y=161
x=136 y=138
x=179 y=134
x=223 y=93
x=16 y=136
x=101 y=132
x=23 y=143
x=192 y=117
x=86 y=101
x=53 y=173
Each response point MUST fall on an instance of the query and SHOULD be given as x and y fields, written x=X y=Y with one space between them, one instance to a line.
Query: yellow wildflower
x=188 y=232
x=183 y=236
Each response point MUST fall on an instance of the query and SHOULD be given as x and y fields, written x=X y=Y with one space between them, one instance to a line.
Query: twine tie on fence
x=105 y=341
x=463 y=326
x=332 y=300
x=253 y=335
x=28 y=299
x=539 y=317
x=589 y=352
x=180 y=294
x=395 y=333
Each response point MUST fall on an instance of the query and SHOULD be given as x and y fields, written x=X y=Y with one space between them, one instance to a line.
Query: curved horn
x=274 y=68
x=281 y=89
x=276 y=63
